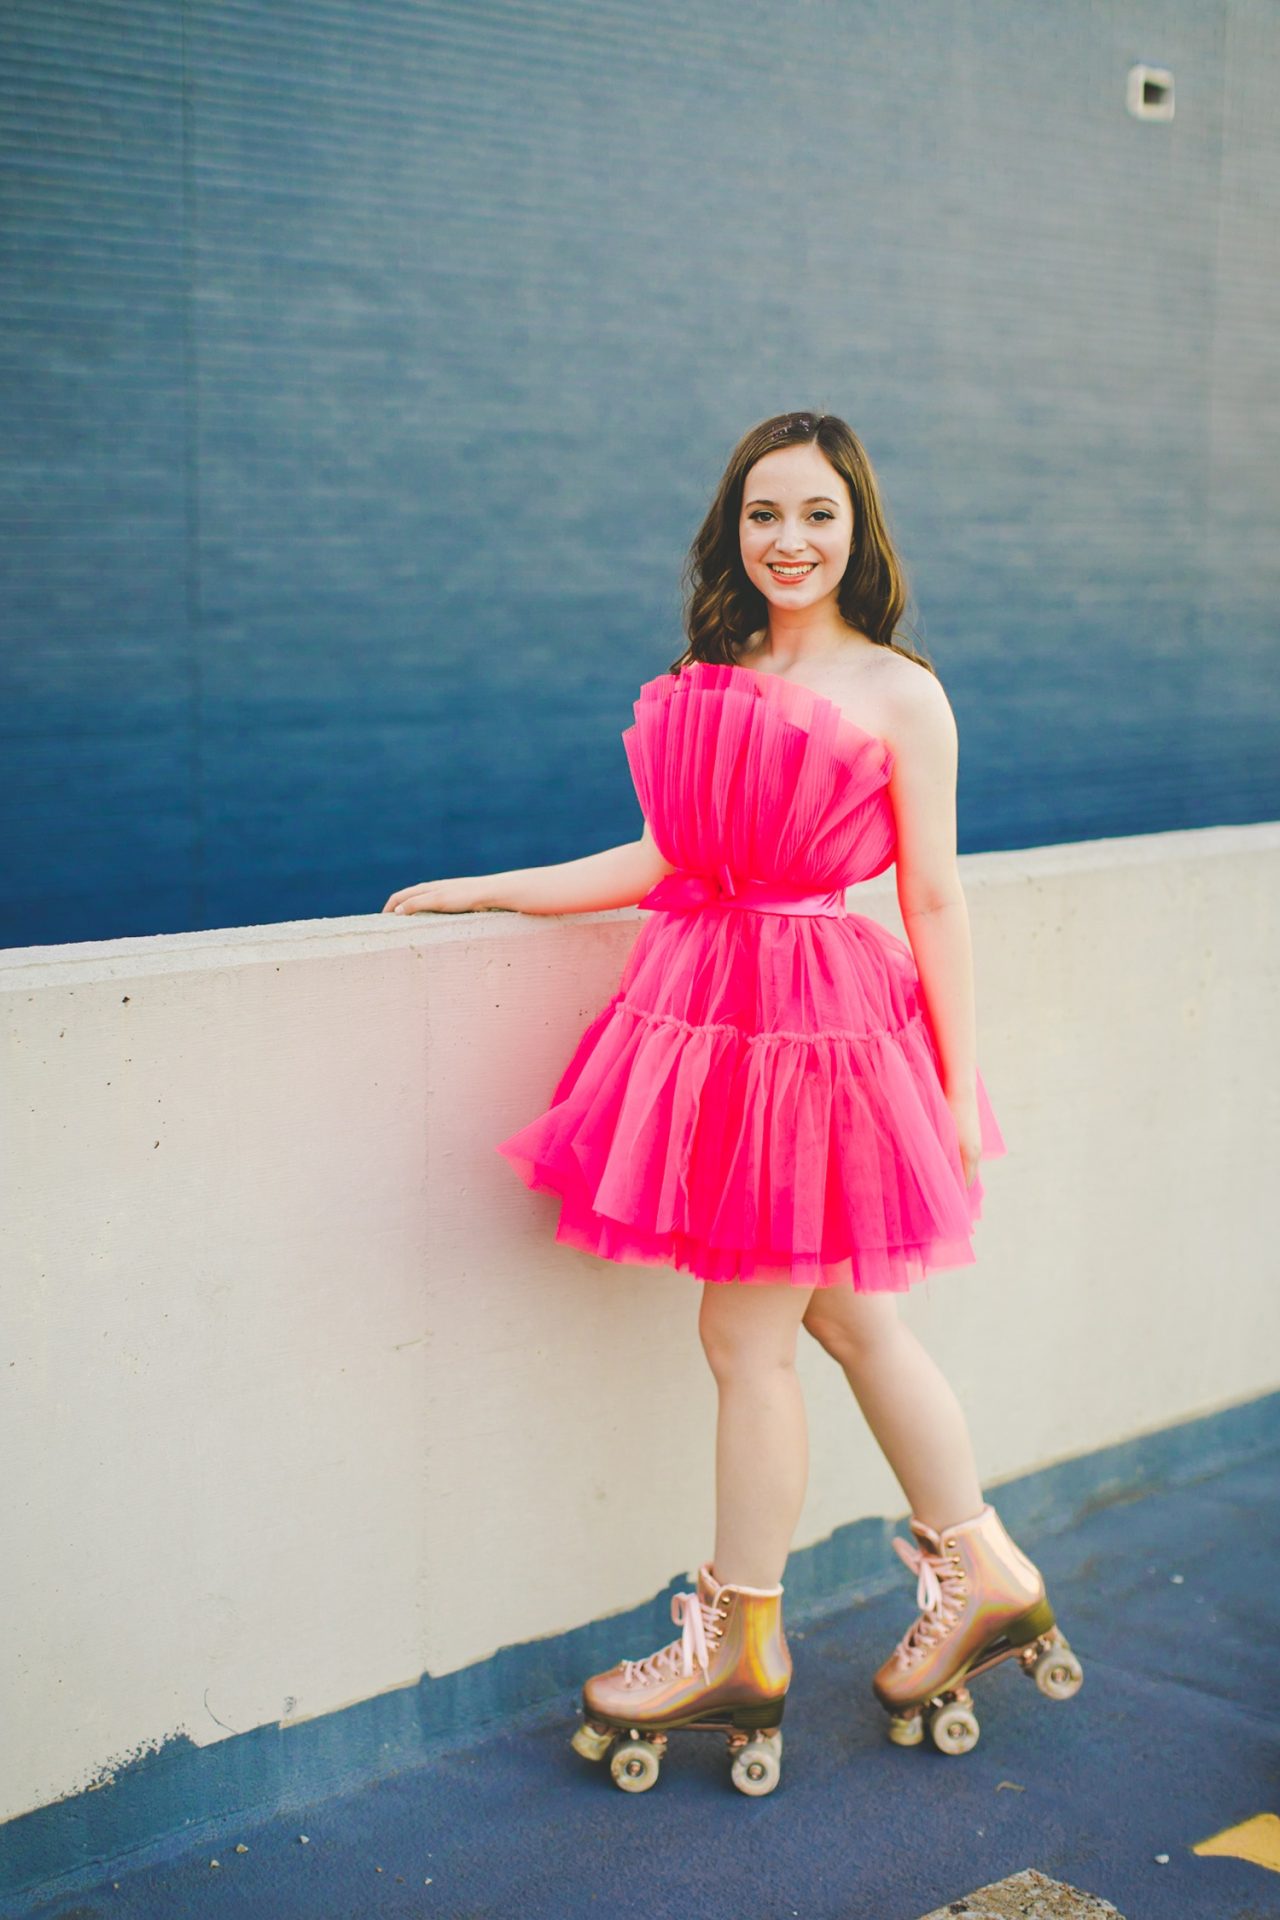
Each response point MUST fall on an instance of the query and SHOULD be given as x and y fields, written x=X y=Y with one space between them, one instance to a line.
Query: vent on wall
x=1150 y=94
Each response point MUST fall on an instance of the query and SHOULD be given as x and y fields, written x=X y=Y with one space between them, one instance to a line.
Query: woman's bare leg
x=906 y=1400
x=749 y=1335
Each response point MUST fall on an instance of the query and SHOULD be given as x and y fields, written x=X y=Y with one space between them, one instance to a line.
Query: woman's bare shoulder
x=914 y=702
x=891 y=695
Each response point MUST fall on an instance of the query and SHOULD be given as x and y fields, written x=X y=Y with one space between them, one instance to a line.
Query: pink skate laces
x=696 y=1616
x=938 y=1589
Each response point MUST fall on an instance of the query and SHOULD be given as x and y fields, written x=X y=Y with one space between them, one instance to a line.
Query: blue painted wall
x=369 y=368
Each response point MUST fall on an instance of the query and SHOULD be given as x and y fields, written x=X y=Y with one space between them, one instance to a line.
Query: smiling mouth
x=799 y=572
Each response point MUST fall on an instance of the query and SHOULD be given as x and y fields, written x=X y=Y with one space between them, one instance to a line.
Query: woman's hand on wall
x=462 y=895
x=618 y=877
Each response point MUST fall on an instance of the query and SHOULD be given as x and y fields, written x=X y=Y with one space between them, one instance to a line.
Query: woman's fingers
x=435 y=896
x=406 y=899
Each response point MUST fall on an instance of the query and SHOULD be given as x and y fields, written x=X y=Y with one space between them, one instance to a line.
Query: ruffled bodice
x=744 y=776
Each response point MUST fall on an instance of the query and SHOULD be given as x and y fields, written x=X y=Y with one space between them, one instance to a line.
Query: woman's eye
x=763 y=513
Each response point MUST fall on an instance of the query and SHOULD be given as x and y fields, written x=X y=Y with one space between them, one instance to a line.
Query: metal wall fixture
x=1150 y=93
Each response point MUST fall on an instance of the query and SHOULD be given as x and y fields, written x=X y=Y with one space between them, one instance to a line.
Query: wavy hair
x=722 y=607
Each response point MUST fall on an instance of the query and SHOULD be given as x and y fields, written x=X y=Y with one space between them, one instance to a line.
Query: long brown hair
x=723 y=609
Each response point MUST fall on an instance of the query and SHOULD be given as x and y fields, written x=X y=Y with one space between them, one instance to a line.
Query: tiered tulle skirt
x=760 y=1102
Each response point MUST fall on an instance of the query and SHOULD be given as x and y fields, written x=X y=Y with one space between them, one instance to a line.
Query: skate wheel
x=954 y=1728
x=1057 y=1672
x=757 y=1767
x=906 y=1729
x=590 y=1742
x=635 y=1766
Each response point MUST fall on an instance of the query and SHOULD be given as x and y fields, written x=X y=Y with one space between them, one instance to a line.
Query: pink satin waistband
x=682 y=891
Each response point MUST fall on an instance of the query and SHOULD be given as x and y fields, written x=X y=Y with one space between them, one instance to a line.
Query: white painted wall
x=298 y=1397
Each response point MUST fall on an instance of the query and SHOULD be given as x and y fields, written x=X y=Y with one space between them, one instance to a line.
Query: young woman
x=782 y=1099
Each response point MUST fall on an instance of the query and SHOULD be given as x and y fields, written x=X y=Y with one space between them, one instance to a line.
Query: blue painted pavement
x=1170 y=1598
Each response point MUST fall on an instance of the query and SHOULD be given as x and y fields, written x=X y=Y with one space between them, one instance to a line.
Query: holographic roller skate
x=982 y=1601
x=728 y=1672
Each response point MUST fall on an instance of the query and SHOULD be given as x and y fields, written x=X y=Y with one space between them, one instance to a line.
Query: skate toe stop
x=591 y=1742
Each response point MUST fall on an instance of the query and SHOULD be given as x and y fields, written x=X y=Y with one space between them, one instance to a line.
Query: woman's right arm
x=618 y=877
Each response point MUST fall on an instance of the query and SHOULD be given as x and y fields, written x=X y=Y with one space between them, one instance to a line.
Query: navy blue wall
x=369 y=368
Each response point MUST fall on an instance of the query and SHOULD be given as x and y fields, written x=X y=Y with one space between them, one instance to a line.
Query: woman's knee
x=852 y=1327
x=743 y=1336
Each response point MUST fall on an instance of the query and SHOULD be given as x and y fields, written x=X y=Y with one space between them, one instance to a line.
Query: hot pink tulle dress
x=760 y=1100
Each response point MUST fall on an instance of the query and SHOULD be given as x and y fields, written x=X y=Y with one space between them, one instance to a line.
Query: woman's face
x=796 y=526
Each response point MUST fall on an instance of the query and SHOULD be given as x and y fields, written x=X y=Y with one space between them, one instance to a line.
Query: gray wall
x=318 y=1448
x=369 y=369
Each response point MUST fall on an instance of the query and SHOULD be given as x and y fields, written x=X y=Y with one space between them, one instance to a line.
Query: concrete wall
x=300 y=1401
x=373 y=365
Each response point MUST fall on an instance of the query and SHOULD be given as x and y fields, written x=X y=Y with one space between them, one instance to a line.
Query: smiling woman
x=811 y=523
x=782 y=1099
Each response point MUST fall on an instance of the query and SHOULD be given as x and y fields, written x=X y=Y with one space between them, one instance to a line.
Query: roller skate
x=982 y=1601
x=728 y=1672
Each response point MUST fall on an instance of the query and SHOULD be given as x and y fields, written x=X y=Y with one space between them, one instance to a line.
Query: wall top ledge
x=24 y=968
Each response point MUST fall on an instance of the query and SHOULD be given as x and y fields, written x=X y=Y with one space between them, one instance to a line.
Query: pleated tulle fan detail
x=744 y=770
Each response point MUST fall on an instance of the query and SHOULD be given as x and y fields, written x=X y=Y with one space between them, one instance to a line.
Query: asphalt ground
x=1171 y=1600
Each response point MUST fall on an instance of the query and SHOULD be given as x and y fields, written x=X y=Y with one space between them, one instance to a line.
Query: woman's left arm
x=922 y=789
